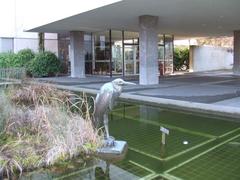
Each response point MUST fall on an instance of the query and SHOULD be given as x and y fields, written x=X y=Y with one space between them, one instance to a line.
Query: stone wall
x=206 y=58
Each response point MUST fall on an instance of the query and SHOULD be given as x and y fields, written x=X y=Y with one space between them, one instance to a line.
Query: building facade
x=17 y=43
x=130 y=37
x=115 y=53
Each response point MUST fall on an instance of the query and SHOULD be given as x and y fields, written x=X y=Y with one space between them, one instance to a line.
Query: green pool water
x=212 y=150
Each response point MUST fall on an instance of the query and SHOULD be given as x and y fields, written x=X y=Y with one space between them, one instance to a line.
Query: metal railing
x=12 y=73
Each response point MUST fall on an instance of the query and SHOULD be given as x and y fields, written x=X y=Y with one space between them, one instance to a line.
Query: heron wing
x=103 y=100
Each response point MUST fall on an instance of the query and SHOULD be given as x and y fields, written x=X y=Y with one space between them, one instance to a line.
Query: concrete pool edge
x=9 y=83
x=187 y=106
x=218 y=110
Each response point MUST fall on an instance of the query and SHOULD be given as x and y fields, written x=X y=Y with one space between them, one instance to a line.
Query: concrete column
x=191 y=50
x=236 y=52
x=148 y=38
x=77 y=57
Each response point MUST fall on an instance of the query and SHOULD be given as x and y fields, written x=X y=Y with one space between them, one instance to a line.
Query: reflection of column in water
x=148 y=113
x=100 y=174
x=124 y=111
x=143 y=112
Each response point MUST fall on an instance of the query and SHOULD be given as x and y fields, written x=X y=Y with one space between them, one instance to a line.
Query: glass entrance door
x=131 y=59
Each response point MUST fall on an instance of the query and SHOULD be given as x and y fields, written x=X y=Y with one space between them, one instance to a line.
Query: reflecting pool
x=197 y=147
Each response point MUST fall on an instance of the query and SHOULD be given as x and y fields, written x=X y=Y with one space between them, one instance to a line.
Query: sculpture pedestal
x=113 y=153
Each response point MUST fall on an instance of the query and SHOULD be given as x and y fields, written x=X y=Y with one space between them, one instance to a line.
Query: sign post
x=164 y=133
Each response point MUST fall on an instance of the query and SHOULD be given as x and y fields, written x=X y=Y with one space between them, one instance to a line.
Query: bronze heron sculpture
x=105 y=102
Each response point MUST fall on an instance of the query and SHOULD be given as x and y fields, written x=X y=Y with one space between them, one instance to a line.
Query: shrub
x=9 y=59
x=181 y=59
x=45 y=64
x=25 y=56
x=39 y=65
x=12 y=60
x=3 y=62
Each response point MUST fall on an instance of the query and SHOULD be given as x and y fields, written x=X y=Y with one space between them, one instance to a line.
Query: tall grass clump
x=42 y=126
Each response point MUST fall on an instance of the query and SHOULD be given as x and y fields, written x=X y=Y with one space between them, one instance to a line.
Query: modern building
x=131 y=37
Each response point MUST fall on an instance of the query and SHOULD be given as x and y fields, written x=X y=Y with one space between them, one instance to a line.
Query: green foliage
x=45 y=64
x=9 y=60
x=181 y=59
x=12 y=60
x=3 y=60
x=25 y=56
x=38 y=65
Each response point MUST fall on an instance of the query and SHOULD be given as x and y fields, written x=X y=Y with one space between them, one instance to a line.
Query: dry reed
x=43 y=125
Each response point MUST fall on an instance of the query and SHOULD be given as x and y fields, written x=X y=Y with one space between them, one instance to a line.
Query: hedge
x=45 y=64
x=38 y=65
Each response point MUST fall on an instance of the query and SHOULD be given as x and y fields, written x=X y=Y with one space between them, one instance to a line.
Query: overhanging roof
x=179 y=17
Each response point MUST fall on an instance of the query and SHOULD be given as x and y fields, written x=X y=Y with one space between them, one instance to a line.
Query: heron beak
x=129 y=83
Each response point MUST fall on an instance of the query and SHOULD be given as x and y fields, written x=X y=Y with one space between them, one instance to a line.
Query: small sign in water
x=164 y=132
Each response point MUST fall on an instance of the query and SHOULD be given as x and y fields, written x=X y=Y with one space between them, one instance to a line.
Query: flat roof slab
x=183 y=18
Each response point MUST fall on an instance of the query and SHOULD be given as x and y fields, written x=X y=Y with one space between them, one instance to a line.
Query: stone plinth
x=114 y=153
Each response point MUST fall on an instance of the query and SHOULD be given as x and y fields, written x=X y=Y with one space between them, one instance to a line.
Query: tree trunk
x=41 y=46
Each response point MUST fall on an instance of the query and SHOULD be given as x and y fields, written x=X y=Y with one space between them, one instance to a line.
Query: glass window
x=117 y=53
x=161 y=39
x=63 y=51
x=102 y=51
x=165 y=54
x=169 y=47
x=88 y=53
x=131 y=53
x=168 y=54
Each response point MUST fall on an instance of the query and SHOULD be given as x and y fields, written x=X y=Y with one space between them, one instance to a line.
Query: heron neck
x=117 y=88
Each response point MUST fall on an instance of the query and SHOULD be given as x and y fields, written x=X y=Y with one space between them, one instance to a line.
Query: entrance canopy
x=183 y=18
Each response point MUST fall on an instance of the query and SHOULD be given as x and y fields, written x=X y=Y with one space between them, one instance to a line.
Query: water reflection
x=100 y=174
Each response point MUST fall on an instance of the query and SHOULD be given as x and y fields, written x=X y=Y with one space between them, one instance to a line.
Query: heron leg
x=105 y=116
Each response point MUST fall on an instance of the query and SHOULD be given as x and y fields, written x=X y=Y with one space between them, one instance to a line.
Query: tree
x=181 y=59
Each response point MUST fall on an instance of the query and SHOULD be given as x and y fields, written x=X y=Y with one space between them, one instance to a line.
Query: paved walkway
x=220 y=88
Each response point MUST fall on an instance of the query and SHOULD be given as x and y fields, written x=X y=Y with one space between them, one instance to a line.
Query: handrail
x=12 y=73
